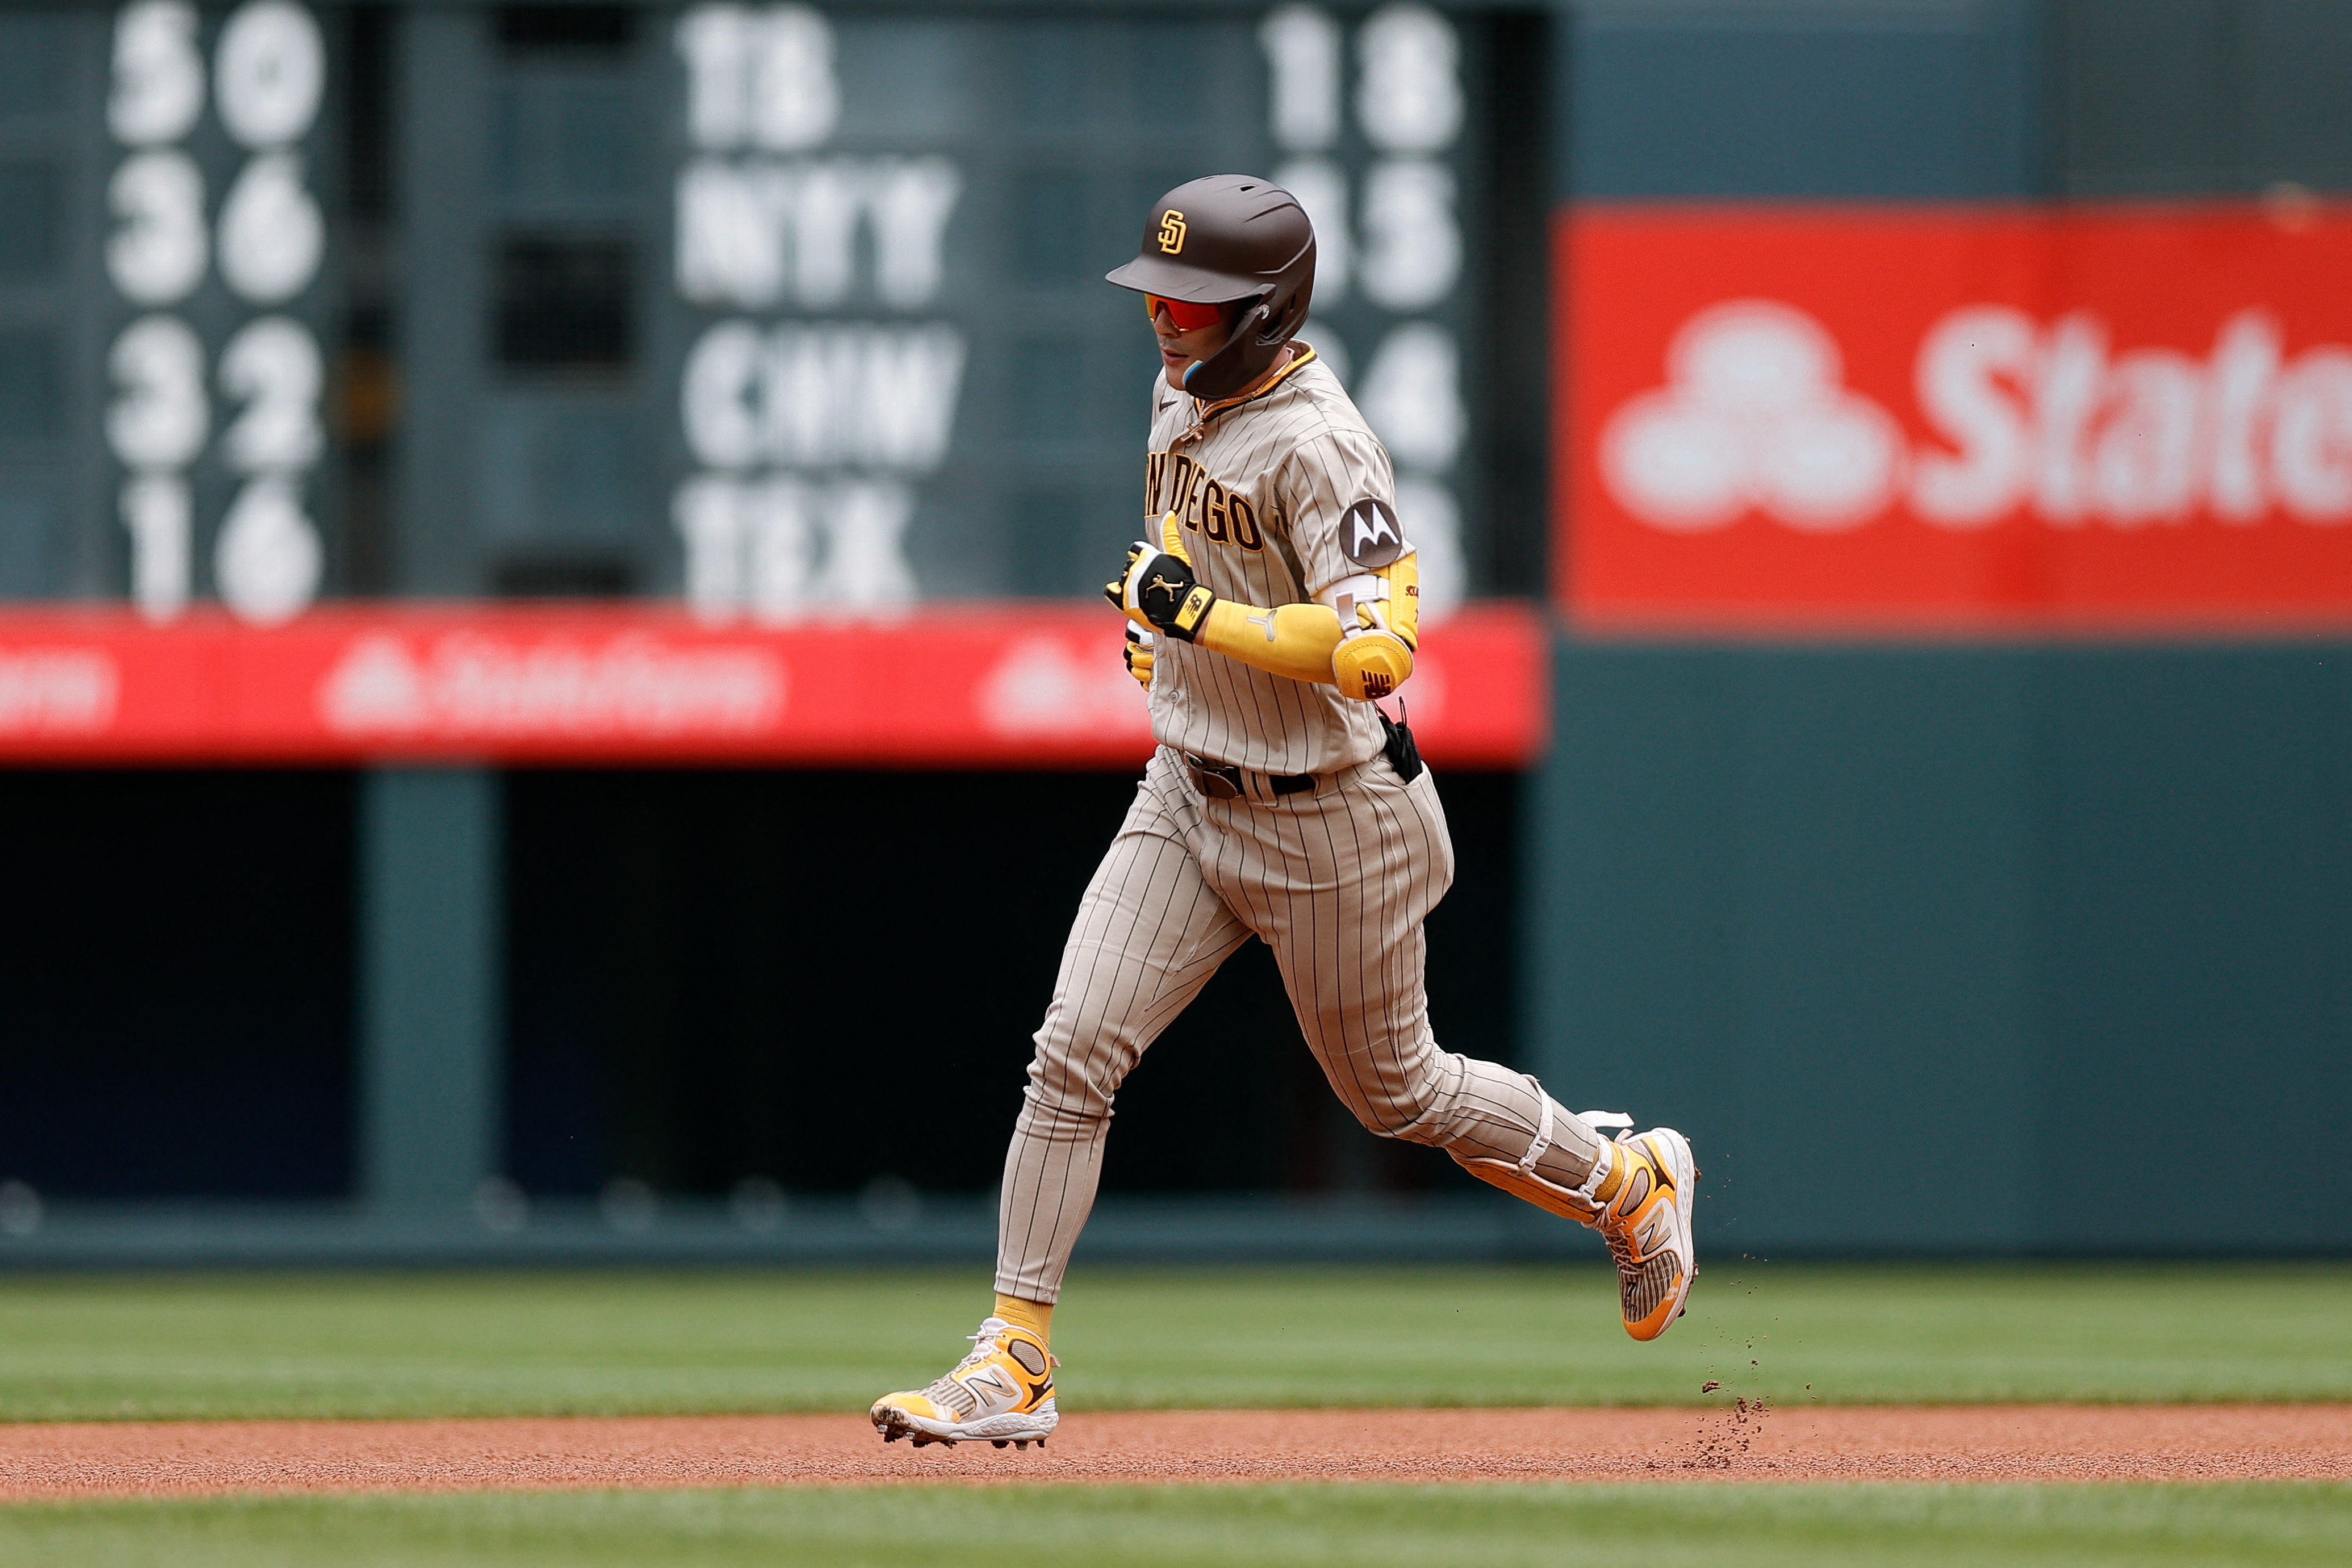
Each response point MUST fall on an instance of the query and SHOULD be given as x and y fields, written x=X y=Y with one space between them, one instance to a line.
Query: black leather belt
x=1224 y=781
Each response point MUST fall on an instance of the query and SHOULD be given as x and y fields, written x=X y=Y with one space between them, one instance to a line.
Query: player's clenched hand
x=1115 y=589
x=1159 y=591
x=1139 y=654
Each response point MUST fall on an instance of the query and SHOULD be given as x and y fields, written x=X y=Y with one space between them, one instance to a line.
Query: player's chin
x=1177 y=364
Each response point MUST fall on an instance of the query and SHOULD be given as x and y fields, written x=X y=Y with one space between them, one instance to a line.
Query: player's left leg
x=1339 y=883
x=1148 y=935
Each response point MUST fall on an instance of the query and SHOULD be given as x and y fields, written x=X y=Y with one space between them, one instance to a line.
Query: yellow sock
x=1037 y=1317
x=1611 y=1169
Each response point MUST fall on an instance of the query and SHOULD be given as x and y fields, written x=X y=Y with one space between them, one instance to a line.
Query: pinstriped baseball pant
x=1338 y=883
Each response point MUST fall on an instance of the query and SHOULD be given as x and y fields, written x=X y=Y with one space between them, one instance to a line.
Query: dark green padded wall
x=1781 y=897
x=2192 y=941
x=1961 y=948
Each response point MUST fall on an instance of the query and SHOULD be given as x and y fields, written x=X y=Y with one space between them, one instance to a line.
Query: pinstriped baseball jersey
x=1260 y=487
x=1336 y=880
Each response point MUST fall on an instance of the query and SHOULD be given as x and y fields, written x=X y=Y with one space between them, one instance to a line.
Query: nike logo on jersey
x=1369 y=533
x=1206 y=506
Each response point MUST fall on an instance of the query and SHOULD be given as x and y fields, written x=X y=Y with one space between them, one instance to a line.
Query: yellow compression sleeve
x=1297 y=642
x=1294 y=641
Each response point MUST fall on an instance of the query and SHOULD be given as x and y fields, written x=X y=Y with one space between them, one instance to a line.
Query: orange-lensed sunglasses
x=1186 y=316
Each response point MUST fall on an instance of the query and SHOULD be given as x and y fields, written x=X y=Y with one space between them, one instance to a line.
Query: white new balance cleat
x=1646 y=1218
x=1002 y=1391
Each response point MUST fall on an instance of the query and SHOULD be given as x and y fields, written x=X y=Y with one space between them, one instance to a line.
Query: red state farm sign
x=2136 y=417
x=987 y=686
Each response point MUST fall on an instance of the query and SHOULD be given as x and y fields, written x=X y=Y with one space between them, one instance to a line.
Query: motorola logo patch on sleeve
x=1369 y=533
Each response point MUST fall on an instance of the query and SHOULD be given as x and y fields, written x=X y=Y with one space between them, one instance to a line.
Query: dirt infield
x=1814 y=1443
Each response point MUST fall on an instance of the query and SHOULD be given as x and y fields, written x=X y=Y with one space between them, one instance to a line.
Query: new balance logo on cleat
x=991 y=1381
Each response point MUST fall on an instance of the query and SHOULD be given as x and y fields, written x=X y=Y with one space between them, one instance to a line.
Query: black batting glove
x=1159 y=591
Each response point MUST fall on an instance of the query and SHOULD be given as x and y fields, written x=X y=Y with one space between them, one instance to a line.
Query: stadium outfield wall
x=1962 y=879
x=1974 y=935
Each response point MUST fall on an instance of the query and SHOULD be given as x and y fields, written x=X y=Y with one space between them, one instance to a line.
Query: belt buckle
x=1213 y=782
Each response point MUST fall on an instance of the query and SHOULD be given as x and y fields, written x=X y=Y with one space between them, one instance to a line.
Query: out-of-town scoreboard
x=885 y=260
x=167 y=303
x=780 y=310
x=758 y=317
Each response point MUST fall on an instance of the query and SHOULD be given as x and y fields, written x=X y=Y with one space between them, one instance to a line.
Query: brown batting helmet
x=1233 y=240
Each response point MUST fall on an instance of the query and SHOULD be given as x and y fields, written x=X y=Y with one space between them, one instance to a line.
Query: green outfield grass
x=165 y=1346
x=1232 y=1527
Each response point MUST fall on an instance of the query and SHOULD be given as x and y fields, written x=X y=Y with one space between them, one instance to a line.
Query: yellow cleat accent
x=1003 y=1390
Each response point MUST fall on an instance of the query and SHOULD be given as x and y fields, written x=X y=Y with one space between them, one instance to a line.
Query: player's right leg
x=1148 y=934
x=1338 y=883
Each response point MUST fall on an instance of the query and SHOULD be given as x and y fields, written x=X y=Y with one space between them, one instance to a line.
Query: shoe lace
x=1619 y=1242
x=983 y=1347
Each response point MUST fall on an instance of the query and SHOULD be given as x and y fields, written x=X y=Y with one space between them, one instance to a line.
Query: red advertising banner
x=2129 y=417
x=999 y=685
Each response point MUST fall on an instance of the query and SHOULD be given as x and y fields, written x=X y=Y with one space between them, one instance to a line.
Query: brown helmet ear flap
x=1245 y=357
x=1294 y=317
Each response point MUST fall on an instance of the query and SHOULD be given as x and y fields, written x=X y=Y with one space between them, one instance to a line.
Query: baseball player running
x=1275 y=600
